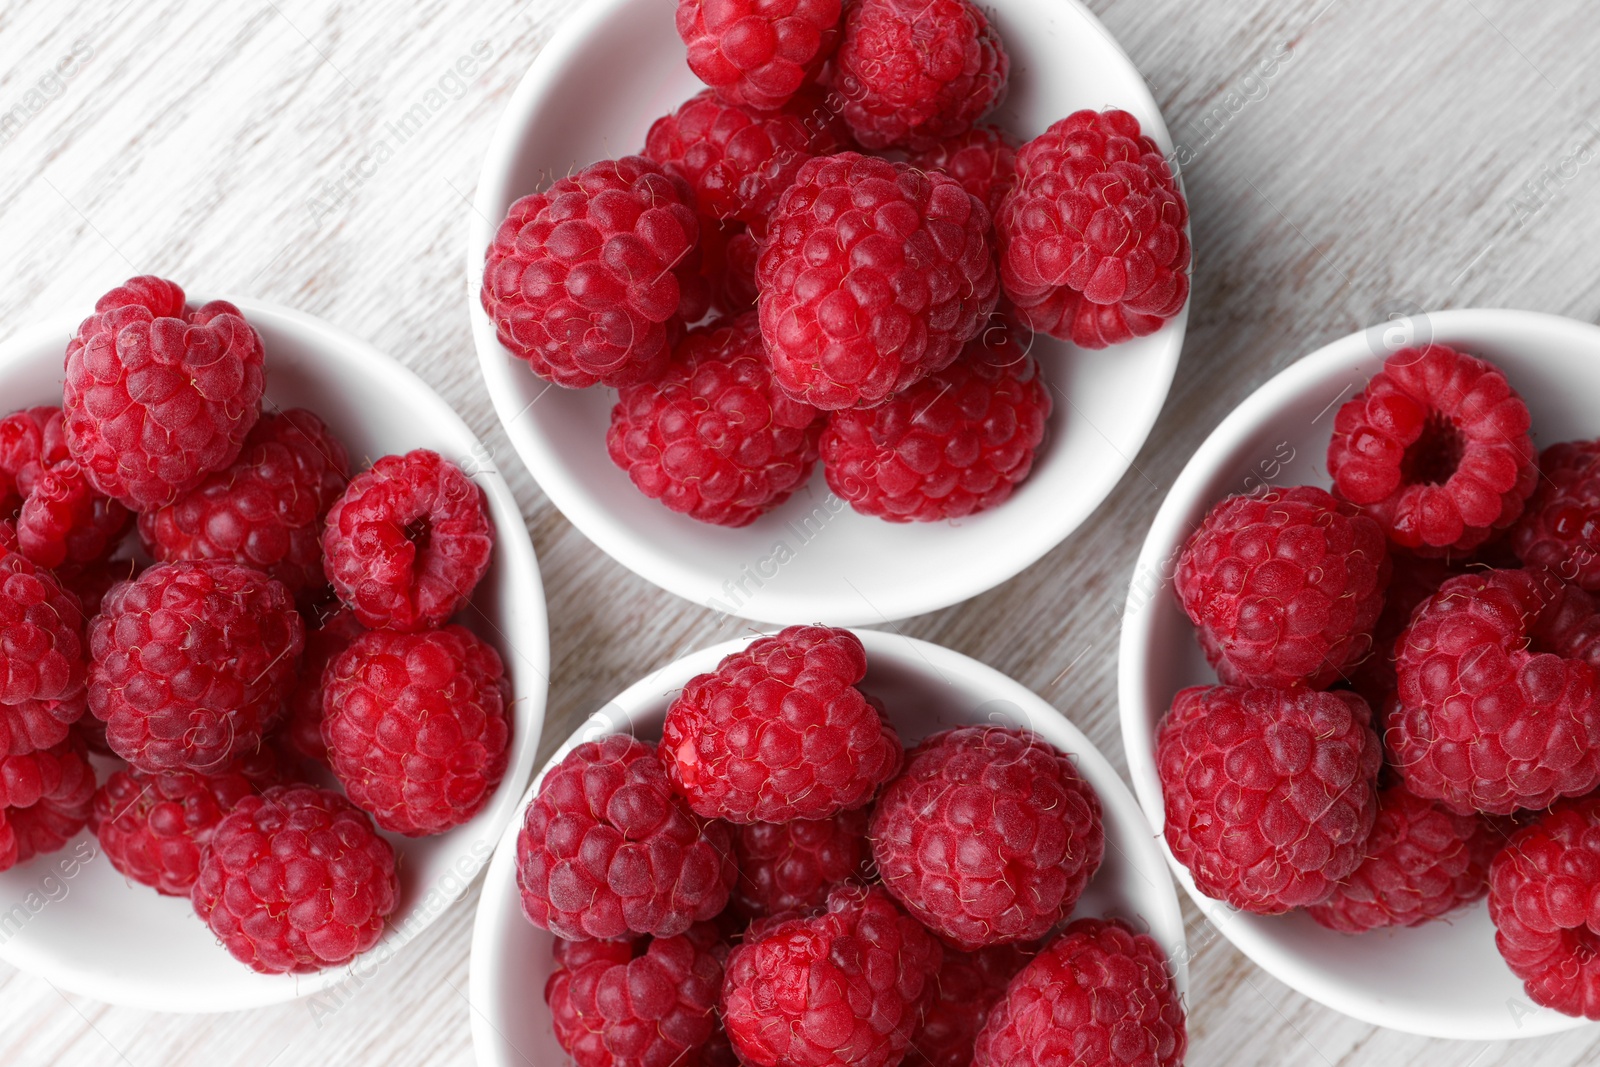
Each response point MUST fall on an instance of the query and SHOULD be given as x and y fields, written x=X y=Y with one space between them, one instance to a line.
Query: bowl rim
x=1137 y=637
x=499 y=897
x=530 y=684
x=571 y=495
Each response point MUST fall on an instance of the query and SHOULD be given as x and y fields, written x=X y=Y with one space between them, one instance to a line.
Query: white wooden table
x=1346 y=158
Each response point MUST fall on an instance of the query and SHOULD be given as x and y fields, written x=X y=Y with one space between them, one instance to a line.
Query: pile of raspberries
x=1408 y=714
x=828 y=253
x=775 y=883
x=199 y=593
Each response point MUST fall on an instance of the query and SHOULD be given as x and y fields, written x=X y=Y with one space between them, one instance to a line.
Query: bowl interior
x=71 y=917
x=610 y=71
x=1444 y=978
x=926 y=688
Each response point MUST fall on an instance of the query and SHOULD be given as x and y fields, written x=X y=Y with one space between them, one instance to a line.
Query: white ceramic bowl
x=71 y=918
x=612 y=69
x=1442 y=979
x=926 y=688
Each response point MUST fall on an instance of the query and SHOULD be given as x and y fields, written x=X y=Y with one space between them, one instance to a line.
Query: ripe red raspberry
x=969 y=985
x=739 y=160
x=265 y=509
x=1414 y=579
x=650 y=1005
x=302 y=728
x=190 y=663
x=1436 y=448
x=779 y=731
x=714 y=438
x=844 y=987
x=983 y=160
x=42 y=657
x=606 y=850
x=988 y=836
x=407 y=542
x=60 y=810
x=1100 y=993
x=588 y=280
x=416 y=726
x=1499 y=702
x=157 y=396
x=956 y=443
x=58 y=517
x=1096 y=211
x=916 y=72
x=792 y=866
x=1560 y=529
x=1270 y=794
x=1423 y=861
x=295 y=880
x=872 y=275
x=154 y=826
x=728 y=254
x=1284 y=586
x=1544 y=900
x=48 y=774
x=758 y=53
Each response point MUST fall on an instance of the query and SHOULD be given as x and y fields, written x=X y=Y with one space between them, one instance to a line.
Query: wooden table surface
x=1346 y=159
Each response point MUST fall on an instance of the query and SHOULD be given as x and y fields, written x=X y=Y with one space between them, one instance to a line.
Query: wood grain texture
x=1384 y=163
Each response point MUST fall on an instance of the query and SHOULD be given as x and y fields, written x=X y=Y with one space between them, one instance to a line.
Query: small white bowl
x=71 y=918
x=1444 y=978
x=612 y=69
x=926 y=689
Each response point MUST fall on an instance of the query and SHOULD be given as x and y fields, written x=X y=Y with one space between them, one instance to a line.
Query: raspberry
x=1560 y=529
x=606 y=850
x=1436 y=448
x=154 y=826
x=969 y=985
x=1544 y=900
x=49 y=823
x=416 y=726
x=728 y=254
x=407 y=542
x=190 y=663
x=1270 y=794
x=295 y=880
x=1096 y=212
x=588 y=281
x=714 y=438
x=48 y=774
x=779 y=731
x=41 y=657
x=649 y=1005
x=983 y=160
x=917 y=72
x=266 y=509
x=872 y=275
x=788 y=867
x=59 y=518
x=956 y=443
x=1497 y=711
x=1422 y=861
x=1100 y=993
x=158 y=396
x=302 y=730
x=739 y=160
x=758 y=53
x=1284 y=586
x=845 y=987
x=1414 y=579
x=988 y=836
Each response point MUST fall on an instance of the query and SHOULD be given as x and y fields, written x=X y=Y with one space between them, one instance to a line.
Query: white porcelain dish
x=71 y=918
x=1442 y=979
x=926 y=688
x=612 y=69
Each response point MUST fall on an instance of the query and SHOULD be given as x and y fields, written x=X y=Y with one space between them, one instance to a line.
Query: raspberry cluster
x=291 y=608
x=1441 y=598
x=771 y=886
x=837 y=176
